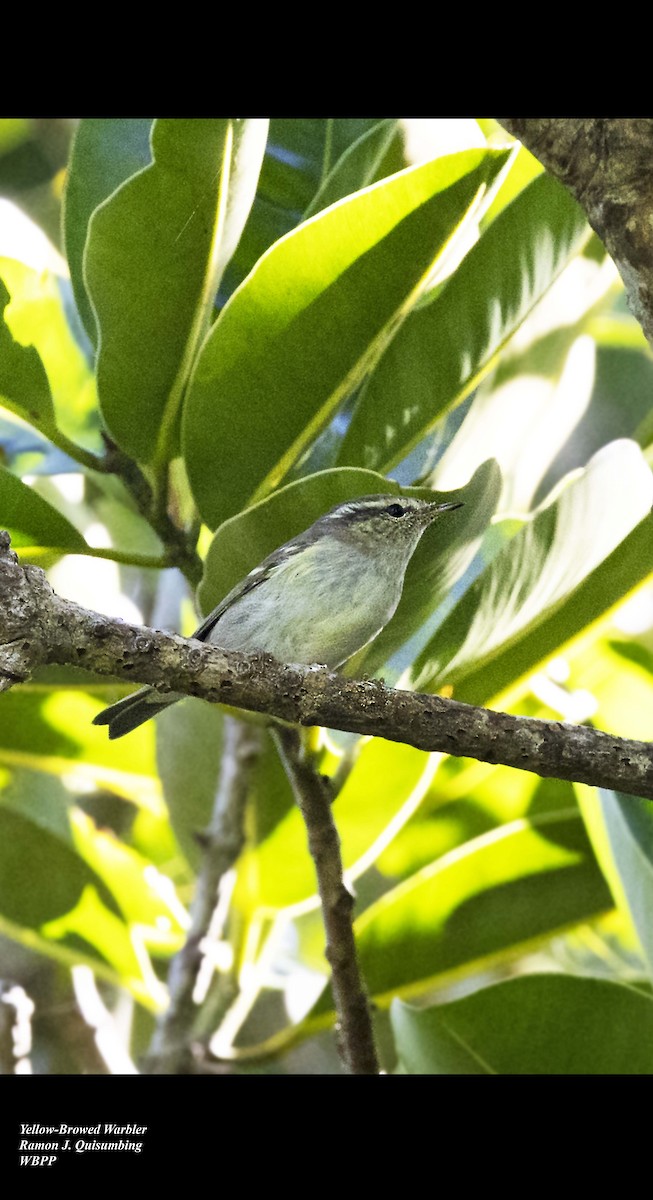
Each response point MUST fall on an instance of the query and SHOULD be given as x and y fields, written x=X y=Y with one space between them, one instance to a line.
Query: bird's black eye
x=396 y=510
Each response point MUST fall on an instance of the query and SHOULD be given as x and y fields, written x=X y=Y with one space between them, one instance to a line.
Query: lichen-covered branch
x=37 y=627
x=607 y=165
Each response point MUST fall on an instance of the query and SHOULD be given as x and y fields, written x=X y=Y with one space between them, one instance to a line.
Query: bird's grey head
x=396 y=522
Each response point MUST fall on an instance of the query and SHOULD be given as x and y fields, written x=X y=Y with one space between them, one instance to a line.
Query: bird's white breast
x=320 y=606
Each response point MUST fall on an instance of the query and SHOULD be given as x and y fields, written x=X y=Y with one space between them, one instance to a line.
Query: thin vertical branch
x=171 y=1049
x=356 y=1037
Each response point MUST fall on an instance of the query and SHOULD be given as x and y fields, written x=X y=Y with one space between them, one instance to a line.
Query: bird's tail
x=131 y=712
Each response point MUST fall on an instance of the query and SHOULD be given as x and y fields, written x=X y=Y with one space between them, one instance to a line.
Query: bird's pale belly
x=328 y=620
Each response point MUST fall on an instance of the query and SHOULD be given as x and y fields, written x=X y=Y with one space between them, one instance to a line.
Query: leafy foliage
x=261 y=321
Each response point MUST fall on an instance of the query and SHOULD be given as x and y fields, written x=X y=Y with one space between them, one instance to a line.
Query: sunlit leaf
x=24 y=384
x=620 y=402
x=49 y=728
x=381 y=793
x=155 y=252
x=268 y=379
x=623 y=840
x=577 y=557
x=300 y=153
x=36 y=320
x=68 y=880
x=359 y=165
x=523 y=169
x=446 y=346
x=523 y=418
x=536 y=1025
x=106 y=151
x=144 y=897
x=485 y=901
x=30 y=520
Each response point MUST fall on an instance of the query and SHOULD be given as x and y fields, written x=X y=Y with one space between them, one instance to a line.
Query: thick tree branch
x=37 y=627
x=607 y=165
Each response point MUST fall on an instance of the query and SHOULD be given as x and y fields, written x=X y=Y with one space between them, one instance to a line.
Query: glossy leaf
x=445 y=347
x=576 y=558
x=68 y=881
x=529 y=406
x=268 y=380
x=486 y=900
x=154 y=255
x=36 y=320
x=24 y=387
x=359 y=166
x=106 y=151
x=40 y=877
x=48 y=727
x=31 y=521
x=627 y=858
x=46 y=887
x=621 y=397
x=188 y=753
x=300 y=153
x=524 y=417
x=144 y=897
x=536 y=1025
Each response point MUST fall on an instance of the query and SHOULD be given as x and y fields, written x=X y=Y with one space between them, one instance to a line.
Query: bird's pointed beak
x=434 y=510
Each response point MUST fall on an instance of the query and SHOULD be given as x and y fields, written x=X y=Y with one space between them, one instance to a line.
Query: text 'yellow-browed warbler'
x=317 y=599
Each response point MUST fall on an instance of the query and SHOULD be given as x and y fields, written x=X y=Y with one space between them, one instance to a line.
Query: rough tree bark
x=607 y=165
x=37 y=627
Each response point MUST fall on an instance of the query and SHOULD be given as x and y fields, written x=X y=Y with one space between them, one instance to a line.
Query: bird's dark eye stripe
x=396 y=510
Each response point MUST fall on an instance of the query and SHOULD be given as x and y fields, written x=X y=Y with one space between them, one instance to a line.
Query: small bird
x=319 y=598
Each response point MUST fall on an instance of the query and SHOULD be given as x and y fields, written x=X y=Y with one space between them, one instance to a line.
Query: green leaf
x=31 y=521
x=41 y=878
x=627 y=858
x=523 y=417
x=299 y=154
x=484 y=901
x=536 y=1025
x=145 y=899
x=89 y=897
x=445 y=348
x=268 y=380
x=621 y=399
x=190 y=733
x=24 y=387
x=567 y=566
x=105 y=152
x=359 y=166
x=48 y=727
x=37 y=321
x=397 y=777
x=155 y=252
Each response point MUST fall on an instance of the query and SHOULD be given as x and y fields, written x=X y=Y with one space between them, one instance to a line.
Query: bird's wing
x=255 y=578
